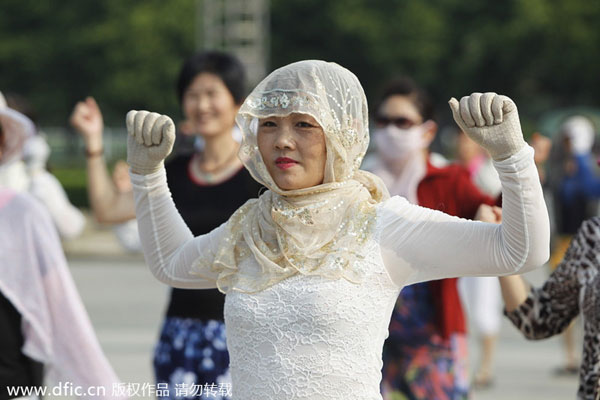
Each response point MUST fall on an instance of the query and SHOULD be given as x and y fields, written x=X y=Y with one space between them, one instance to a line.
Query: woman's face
x=208 y=106
x=400 y=111
x=293 y=150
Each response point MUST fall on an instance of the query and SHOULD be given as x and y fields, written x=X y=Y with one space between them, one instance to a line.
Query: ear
x=429 y=130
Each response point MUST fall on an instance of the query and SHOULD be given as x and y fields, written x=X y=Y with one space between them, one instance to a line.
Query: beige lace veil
x=320 y=230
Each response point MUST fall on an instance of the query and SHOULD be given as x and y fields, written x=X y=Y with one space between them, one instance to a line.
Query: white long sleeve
x=68 y=219
x=169 y=247
x=419 y=244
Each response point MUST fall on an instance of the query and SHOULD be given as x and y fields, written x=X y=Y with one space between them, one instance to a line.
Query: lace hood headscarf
x=319 y=230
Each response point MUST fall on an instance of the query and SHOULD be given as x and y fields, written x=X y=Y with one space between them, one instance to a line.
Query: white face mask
x=396 y=144
x=402 y=148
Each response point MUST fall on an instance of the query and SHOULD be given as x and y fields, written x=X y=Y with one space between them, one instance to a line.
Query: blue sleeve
x=584 y=181
x=590 y=183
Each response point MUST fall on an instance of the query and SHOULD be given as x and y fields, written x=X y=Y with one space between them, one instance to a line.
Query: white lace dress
x=308 y=337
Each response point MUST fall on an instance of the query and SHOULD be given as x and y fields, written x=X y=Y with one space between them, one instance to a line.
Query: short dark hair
x=226 y=66
x=405 y=86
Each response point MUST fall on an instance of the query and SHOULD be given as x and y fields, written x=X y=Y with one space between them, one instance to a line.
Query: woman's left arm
x=419 y=244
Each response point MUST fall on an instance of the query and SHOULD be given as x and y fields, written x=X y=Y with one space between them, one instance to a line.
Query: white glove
x=149 y=141
x=492 y=121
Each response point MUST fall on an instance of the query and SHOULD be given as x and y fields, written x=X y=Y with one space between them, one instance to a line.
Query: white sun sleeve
x=420 y=244
x=169 y=247
x=68 y=219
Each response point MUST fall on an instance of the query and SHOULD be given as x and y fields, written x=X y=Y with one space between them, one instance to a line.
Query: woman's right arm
x=169 y=247
x=108 y=204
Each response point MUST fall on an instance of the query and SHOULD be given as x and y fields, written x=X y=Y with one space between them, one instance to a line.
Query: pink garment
x=474 y=165
x=5 y=197
x=35 y=278
x=484 y=175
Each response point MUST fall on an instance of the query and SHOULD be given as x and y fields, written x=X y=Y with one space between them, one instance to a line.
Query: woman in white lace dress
x=312 y=268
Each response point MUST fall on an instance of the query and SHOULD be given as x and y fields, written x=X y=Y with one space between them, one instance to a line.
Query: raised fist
x=150 y=140
x=86 y=118
x=492 y=121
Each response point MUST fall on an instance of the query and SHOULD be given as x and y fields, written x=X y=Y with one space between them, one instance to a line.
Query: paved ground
x=126 y=304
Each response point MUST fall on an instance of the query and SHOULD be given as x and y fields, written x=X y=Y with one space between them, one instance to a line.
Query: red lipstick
x=285 y=162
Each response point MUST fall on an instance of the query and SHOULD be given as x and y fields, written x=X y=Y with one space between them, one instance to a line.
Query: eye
x=383 y=121
x=190 y=95
x=304 y=124
x=268 y=123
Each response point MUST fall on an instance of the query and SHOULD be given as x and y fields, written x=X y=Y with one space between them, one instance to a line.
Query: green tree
x=127 y=54
x=540 y=52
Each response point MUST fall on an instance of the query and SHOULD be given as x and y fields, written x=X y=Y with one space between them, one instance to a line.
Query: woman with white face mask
x=404 y=130
x=428 y=317
x=312 y=268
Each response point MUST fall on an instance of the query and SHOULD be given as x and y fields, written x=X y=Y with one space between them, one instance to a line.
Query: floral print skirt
x=191 y=360
x=418 y=363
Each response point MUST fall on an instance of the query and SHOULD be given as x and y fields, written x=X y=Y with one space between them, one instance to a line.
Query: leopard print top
x=572 y=288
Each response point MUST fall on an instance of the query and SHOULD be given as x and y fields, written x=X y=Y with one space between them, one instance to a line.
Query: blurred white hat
x=17 y=128
x=580 y=132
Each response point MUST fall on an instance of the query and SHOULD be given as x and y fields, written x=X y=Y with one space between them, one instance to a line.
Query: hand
x=86 y=118
x=149 y=141
x=492 y=214
x=492 y=121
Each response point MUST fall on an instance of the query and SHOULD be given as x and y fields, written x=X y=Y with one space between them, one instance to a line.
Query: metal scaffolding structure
x=237 y=26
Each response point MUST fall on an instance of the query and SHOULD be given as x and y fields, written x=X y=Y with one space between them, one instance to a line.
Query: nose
x=203 y=103
x=285 y=139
